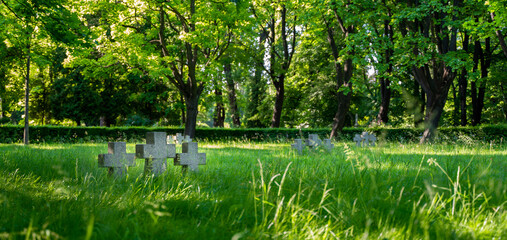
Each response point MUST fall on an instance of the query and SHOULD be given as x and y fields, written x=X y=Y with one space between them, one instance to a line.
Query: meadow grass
x=251 y=190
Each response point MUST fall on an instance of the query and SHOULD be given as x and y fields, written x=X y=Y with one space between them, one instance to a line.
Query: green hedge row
x=57 y=134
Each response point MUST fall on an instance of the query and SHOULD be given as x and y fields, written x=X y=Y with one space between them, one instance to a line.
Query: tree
x=45 y=18
x=340 y=27
x=174 y=40
x=278 y=20
x=431 y=34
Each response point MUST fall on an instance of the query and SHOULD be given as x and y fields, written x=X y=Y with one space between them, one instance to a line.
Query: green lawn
x=259 y=190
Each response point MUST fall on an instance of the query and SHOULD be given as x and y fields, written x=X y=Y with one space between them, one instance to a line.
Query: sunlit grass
x=259 y=190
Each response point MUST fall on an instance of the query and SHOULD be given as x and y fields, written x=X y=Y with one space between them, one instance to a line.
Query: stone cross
x=170 y=139
x=190 y=158
x=178 y=138
x=187 y=139
x=313 y=140
x=366 y=139
x=372 y=139
x=327 y=144
x=298 y=145
x=358 y=139
x=155 y=151
x=117 y=159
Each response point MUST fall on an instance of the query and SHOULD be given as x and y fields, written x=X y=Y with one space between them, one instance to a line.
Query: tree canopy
x=318 y=63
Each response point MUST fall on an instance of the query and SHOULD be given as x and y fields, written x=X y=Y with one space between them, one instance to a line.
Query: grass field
x=259 y=190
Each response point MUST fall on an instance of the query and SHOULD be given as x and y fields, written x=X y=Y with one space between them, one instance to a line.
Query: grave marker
x=178 y=138
x=313 y=140
x=117 y=159
x=366 y=139
x=190 y=157
x=298 y=145
x=187 y=139
x=372 y=139
x=155 y=151
x=358 y=139
x=327 y=144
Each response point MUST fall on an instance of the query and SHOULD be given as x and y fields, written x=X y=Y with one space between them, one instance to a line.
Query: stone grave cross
x=327 y=144
x=358 y=139
x=372 y=139
x=155 y=151
x=190 y=157
x=187 y=139
x=117 y=159
x=366 y=139
x=313 y=140
x=178 y=138
x=298 y=145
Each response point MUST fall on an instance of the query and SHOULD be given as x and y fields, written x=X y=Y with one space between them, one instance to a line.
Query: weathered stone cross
x=155 y=151
x=187 y=139
x=298 y=145
x=372 y=139
x=358 y=139
x=178 y=138
x=313 y=140
x=365 y=139
x=327 y=144
x=190 y=158
x=117 y=159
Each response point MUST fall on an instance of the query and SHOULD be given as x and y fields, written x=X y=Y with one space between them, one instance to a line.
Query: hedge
x=58 y=134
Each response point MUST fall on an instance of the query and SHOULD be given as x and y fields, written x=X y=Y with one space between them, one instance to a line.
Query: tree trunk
x=343 y=74
x=420 y=105
x=192 y=103
x=256 y=89
x=219 y=114
x=278 y=75
x=501 y=39
x=279 y=97
x=385 y=91
x=183 y=115
x=1 y=109
x=233 y=106
x=26 y=134
x=434 y=109
x=462 y=82
x=455 y=112
x=385 y=96
x=478 y=96
x=342 y=110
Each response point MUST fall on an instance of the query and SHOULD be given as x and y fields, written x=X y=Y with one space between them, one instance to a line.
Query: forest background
x=239 y=63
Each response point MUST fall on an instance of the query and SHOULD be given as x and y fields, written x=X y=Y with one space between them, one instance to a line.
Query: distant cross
x=178 y=138
x=358 y=139
x=298 y=145
x=170 y=139
x=117 y=159
x=187 y=139
x=327 y=144
x=372 y=139
x=366 y=139
x=313 y=140
x=190 y=158
x=155 y=151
